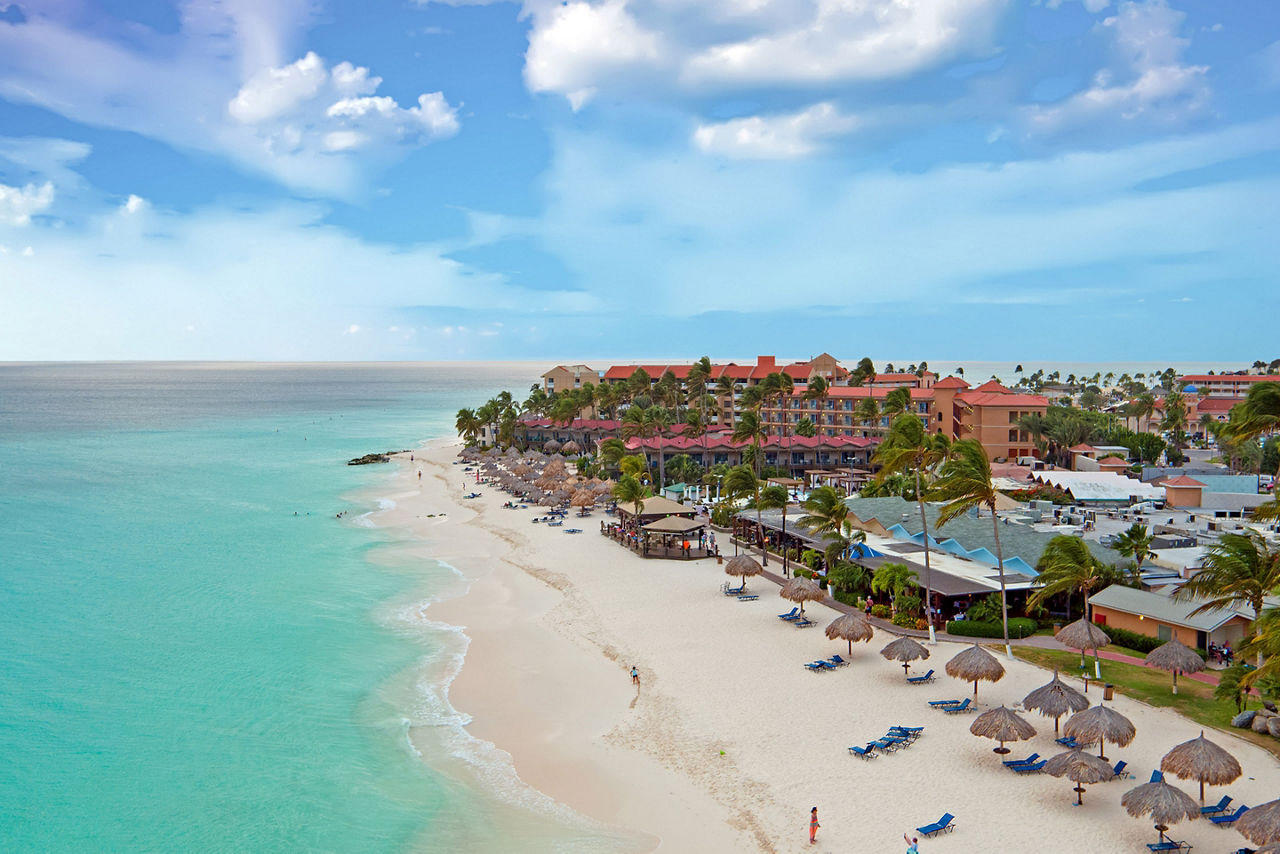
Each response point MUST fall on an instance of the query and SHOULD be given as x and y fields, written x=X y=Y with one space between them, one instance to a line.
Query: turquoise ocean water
x=196 y=655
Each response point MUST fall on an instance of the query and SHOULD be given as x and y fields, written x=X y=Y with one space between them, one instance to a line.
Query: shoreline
x=728 y=741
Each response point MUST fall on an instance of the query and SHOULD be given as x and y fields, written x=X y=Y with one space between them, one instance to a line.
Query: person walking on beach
x=870 y=602
x=913 y=844
x=635 y=675
x=813 y=825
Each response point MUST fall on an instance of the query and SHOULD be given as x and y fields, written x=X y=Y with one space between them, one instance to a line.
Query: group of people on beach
x=913 y=843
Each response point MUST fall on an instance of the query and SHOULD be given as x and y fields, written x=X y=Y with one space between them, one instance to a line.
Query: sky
x=1086 y=180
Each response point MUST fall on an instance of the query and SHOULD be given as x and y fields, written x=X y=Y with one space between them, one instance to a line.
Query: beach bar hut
x=673 y=537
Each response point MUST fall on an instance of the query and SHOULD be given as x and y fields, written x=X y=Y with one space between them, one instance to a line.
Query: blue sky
x=324 y=179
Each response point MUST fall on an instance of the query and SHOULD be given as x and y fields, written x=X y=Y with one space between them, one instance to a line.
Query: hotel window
x=1013 y=435
x=922 y=407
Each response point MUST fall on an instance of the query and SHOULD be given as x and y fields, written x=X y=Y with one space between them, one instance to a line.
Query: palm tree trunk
x=764 y=550
x=1097 y=656
x=1004 y=602
x=784 y=539
x=928 y=587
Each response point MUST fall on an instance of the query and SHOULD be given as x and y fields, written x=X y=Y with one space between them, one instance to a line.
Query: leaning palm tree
x=867 y=413
x=1142 y=407
x=908 y=448
x=896 y=402
x=748 y=427
x=1134 y=543
x=1256 y=415
x=965 y=483
x=825 y=511
x=775 y=497
x=630 y=491
x=1067 y=566
x=1239 y=570
x=742 y=481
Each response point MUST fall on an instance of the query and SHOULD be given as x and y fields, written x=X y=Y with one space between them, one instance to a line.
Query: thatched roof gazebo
x=1055 y=699
x=1175 y=657
x=850 y=627
x=1100 y=724
x=1162 y=803
x=583 y=499
x=975 y=664
x=1261 y=824
x=802 y=590
x=1200 y=759
x=1081 y=768
x=1083 y=635
x=1002 y=724
x=551 y=446
x=905 y=650
x=571 y=447
x=743 y=566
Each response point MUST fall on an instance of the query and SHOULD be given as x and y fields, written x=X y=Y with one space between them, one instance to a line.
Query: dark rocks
x=1244 y=719
x=384 y=457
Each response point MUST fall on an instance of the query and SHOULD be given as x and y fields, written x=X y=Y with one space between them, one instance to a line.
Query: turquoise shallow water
x=185 y=664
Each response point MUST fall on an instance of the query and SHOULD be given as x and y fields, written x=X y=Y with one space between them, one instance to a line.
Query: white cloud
x=134 y=204
x=1159 y=86
x=17 y=204
x=1093 y=6
x=778 y=136
x=273 y=92
x=580 y=47
x=28 y=252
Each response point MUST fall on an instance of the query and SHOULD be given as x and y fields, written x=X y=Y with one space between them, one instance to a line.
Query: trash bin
x=1108 y=691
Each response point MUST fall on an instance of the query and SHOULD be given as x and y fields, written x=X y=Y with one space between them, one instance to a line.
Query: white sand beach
x=729 y=741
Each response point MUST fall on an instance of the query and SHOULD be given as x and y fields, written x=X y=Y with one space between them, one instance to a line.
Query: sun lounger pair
x=1030 y=767
x=1228 y=818
x=1014 y=763
x=868 y=752
x=1214 y=809
x=803 y=622
x=946 y=824
x=573 y=530
x=920 y=680
x=911 y=732
x=793 y=614
x=966 y=706
x=732 y=591
x=1168 y=845
x=939 y=703
x=817 y=666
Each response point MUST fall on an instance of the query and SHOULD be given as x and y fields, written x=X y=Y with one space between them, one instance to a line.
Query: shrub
x=904 y=620
x=848 y=598
x=880 y=611
x=1019 y=627
x=1133 y=640
x=908 y=604
x=921 y=624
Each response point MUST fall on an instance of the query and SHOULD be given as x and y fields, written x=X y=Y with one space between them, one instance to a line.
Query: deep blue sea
x=195 y=654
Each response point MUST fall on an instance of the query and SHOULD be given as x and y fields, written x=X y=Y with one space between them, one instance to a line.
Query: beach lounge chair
x=940 y=703
x=920 y=680
x=1157 y=776
x=790 y=615
x=1168 y=845
x=1220 y=806
x=837 y=660
x=803 y=622
x=1229 y=818
x=910 y=731
x=1121 y=770
x=733 y=591
x=966 y=706
x=1068 y=741
x=813 y=666
x=884 y=745
x=863 y=752
x=1030 y=767
x=946 y=824
x=1009 y=763
x=748 y=597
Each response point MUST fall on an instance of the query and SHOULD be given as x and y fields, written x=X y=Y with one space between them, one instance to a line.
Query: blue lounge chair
x=1229 y=818
x=837 y=660
x=940 y=703
x=803 y=623
x=748 y=597
x=1010 y=763
x=946 y=824
x=1220 y=806
x=863 y=752
x=1157 y=776
x=966 y=706
x=912 y=731
x=1030 y=768
x=813 y=667
x=920 y=680
x=825 y=665
x=732 y=591
x=1068 y=741
x=1121 y=770
x=790 y=615
x=900 y=740
x=1168 y=845
x=884 y=745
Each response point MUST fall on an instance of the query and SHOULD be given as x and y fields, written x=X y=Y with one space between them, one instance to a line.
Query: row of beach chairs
x=895 y=738
x=952 y=706
x=796 y=618
x=740 y=591
x=826 y=664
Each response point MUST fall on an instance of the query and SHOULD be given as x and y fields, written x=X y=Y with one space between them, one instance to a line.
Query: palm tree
x=643 y=422
x=742 y=481
x=908 y=448
x=825 y=511
x=1237 y=571
x=726 y=391
x=896 y=402
x=630 y=491
x=1067 y=566
x=806 y=428
x=965 y=482
x=1140 y=408
x=1134 y=543
x=1034 y=424
x=1259 y=414
x=612 y=450
x=867 y=413
x=467 y=425
x=749 y=428
x=841 y=541
x=775 y=497
x=1175 y=419
x=894 y=579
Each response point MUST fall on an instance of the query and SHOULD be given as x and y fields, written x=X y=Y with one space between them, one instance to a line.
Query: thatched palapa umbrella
x=851 y=627
x=1201 y=759
x=551 y=446
x=1165 y=804
x=802 y=590
x=744 y=566
x=1055 y=700
x=571 y=447
x=1080 y=768
x=905 y=650
x=583 y=498
x=1176 y=658
x=1002 y=724
x=1261 y=824
x=1083 y=635
x=1100 y=724
x=974 y=664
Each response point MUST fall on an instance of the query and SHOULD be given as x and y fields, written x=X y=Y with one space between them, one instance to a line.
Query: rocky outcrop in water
x=384 y=457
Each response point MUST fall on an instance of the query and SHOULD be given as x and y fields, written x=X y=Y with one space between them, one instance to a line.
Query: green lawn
x=1194 y=700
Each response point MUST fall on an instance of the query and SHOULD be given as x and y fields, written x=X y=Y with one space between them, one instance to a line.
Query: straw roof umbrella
x=1055 y=699
x=1083 y=635
x=850 y=627
x=1261 y=824
x=905 y=650
x=973 y=664
x=1080 y=768
x=1002 y=724
x=1175 y=657
x=1100 y=724
x=551 y=446
x=1201 y=759
x=743 y=565
x=1165 y=804
x=802 y=590
x=555 y=467
x=583 y=498
x=571 y=447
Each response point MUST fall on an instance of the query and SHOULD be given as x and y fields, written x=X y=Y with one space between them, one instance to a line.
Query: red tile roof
x=1113 y=461
x=993 y=386
x=976 y=398
x=896 y=377
x=576 y=424
x=1180 y=480
x=1193 y=379
x=680 y=443
x=1083 y=447
x=951 y=382
x=1216 y=404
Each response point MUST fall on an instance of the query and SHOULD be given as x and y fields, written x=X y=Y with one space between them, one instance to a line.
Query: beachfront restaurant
x=660 y=528
x=1157 y=614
